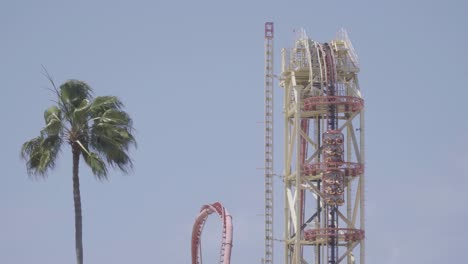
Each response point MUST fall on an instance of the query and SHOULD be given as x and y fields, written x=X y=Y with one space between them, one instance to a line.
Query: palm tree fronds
x=80 y=114
x=29 y=147
x=111 y=137
x=52 y=113
x=40 y=154
x=120 y=159
x=99 y=126
x=115 y=154
x=97 y=165
x=73 y=92
x=104 y=103
x=117 y=117
x=109 y=134
x=53 y=120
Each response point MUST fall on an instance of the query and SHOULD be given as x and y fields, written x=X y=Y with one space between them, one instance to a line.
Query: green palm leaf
x=73 y=92
x=104 y=103
x=97 y=165
x=40 y=154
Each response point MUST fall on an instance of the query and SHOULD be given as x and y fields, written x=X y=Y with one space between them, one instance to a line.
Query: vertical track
x=323 y=109
x=268 y=258
x=332 y=124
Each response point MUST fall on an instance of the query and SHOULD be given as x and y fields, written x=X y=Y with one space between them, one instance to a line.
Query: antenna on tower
x=268 y=258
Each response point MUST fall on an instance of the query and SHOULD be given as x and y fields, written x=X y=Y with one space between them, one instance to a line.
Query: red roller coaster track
x=226 y=242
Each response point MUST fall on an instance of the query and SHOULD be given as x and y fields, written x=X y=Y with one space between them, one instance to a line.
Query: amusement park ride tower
x=324 y=152
x=323 y=157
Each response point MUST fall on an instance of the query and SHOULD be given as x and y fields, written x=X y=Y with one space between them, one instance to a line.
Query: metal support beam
x=310 y=72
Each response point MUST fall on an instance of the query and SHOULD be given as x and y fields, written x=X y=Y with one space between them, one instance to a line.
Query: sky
x=190 y=73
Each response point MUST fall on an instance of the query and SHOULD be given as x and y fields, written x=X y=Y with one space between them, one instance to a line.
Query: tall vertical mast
x=268 y=258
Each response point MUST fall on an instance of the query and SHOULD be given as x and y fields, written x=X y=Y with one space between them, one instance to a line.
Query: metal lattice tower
x=268 y=258
x=324 y=152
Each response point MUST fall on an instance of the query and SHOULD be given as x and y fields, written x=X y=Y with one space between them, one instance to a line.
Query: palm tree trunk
x=77 y=203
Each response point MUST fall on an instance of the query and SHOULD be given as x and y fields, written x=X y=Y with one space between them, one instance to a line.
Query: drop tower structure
x=324 y=152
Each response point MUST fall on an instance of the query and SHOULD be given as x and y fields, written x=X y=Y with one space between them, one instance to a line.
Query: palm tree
x=97 y=129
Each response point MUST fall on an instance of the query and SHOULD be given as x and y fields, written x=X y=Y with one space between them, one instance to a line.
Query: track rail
x=226 y=238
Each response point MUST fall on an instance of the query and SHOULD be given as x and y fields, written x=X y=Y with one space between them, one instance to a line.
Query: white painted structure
x=324 y=153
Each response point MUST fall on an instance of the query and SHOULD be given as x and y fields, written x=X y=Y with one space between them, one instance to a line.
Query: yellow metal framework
x=324 y=216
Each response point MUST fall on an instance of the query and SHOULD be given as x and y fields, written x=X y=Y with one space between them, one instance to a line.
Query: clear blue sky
x=191 y=75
